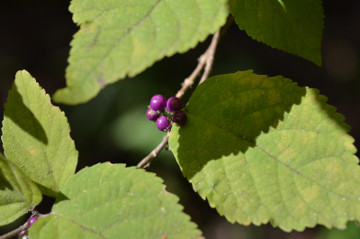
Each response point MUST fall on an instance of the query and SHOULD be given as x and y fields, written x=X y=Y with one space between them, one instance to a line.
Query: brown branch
x=210 y=57
x=24 y=226
x=205 y=61
x=14 y=232
x=188 y=82
x=145 y=162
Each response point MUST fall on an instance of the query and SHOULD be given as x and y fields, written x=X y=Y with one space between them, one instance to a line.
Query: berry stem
x=205 y=62
x=14 y=232
x=24 y=226
x=145 y=162
x=210 y=57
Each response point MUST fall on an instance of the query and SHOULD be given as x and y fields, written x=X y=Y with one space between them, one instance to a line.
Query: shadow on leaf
x=227 y=113
x=4 y=184
x=22 y=116
x=4 y=170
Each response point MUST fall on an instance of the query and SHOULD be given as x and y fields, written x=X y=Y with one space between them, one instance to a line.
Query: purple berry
x=32 y=220
x=152 y=114
x=179 y=117
x=163 y=123
x=22 y=233
x=173 y=104
x=158 y=102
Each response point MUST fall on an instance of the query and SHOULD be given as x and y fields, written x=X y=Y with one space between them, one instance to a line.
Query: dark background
x=35 y=36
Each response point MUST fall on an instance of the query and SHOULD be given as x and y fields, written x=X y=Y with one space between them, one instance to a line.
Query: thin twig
x=24 y=226
x=188 y=82
x=14 y=232
x=205 y=62
x=210 y=57
x=147 y=160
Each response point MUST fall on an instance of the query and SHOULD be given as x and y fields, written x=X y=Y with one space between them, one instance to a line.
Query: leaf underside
x=123 y=37
x=112 y=201
x=36 y=135
x=261 y=149
x=18 y=194
x=288 y=25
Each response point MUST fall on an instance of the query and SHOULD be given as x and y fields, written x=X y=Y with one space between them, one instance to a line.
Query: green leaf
x=18 y=194
x=123 y=37
x=262 y=149
x=288 y=25
x=112 y=201
x=36 y=135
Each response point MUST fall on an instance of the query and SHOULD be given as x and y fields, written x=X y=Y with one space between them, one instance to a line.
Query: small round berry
x=163 y=123
x=173 y=104
x=158 y=102
x=22 y=233
x=152 y=114
x=32 y=220
x=179 y=117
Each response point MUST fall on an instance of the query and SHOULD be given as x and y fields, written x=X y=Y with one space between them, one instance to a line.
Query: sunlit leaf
x=111 y=201
x=123 y=37
x=261 y=149
x=36 y=135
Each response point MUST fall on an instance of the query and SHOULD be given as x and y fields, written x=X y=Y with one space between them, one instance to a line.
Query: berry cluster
x=165 y=112
x=23 y=233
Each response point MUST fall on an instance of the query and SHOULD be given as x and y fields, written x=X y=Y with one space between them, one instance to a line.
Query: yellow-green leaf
x=261 y=149
x=18 y=194
x=112 y=201
x=123 y=37
x=36 y=135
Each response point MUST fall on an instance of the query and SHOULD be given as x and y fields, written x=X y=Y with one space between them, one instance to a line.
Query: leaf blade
x=36 y=135
x=18 y=194
x=123 y=38
x=292 y=26
x=279 y=157
x=105 y=201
